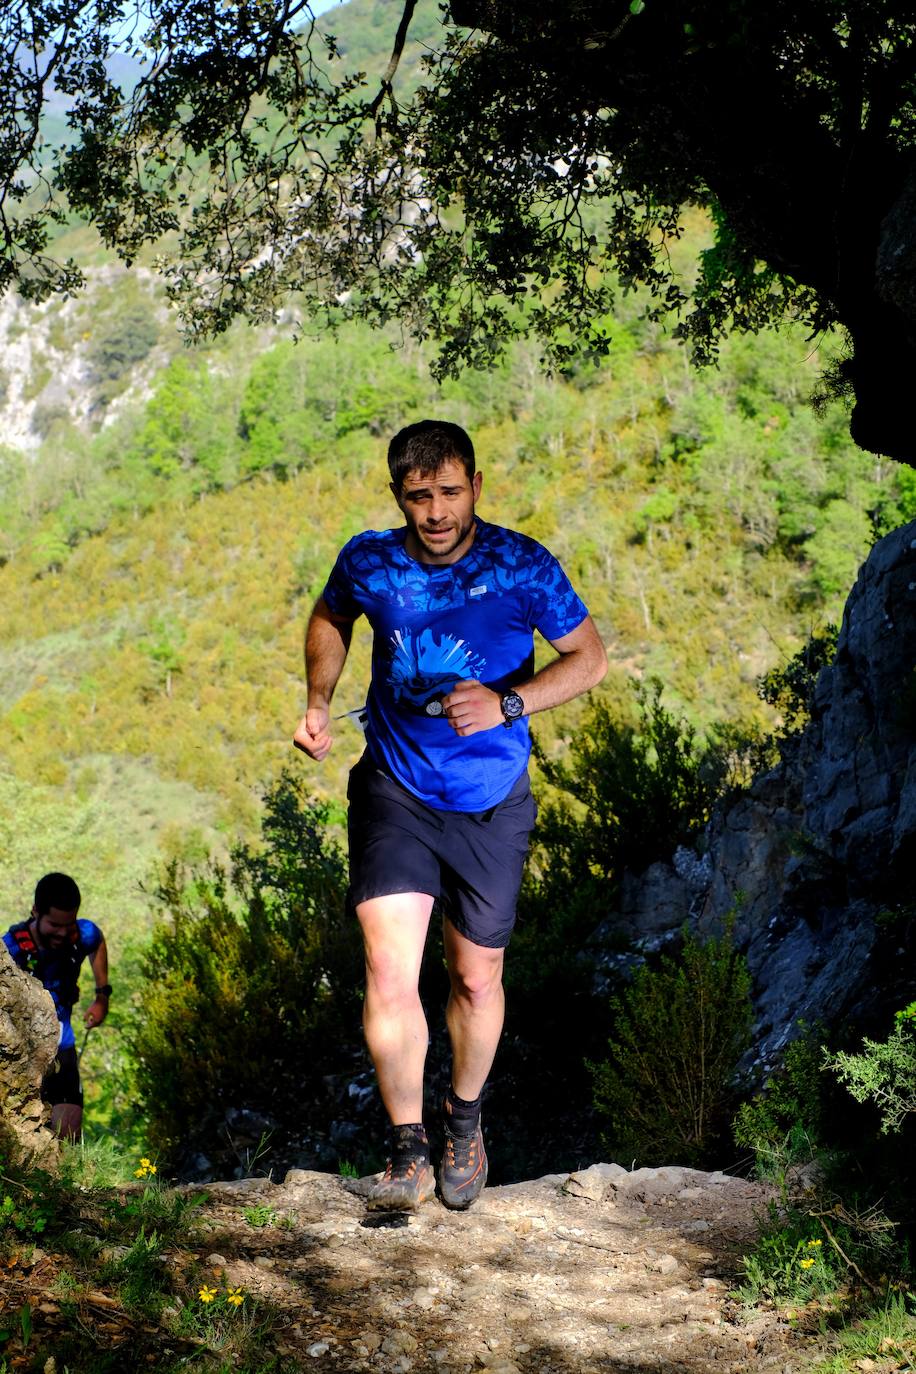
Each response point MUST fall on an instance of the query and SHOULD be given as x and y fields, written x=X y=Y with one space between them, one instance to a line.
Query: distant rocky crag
x=817 y=858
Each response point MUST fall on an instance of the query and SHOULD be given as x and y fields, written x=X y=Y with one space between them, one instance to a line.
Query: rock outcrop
x=816 y=859
x=29 y=1032
x=568 y=1274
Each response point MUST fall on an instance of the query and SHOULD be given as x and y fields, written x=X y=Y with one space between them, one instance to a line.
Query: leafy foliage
x=790 y=689
x=543 y=163
x=783 y=1126
x=884 y=1073
x=678 y=1032
x=249 y=981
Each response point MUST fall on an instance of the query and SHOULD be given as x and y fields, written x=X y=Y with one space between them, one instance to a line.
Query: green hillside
x=154 y=599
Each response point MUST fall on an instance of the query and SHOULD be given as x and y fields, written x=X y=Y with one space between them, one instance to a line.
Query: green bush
x=789 y=689
x=666 y=1090
x=631 y=791
x=885 y=1071
x=249 y=988
x=782 y=1126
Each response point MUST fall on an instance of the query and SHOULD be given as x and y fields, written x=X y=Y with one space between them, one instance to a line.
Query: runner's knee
x=477 y=984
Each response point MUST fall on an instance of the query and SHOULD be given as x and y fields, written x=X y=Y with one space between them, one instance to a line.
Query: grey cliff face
x=816 y=859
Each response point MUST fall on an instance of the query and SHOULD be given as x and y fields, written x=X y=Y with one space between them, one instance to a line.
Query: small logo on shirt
x=478 y=591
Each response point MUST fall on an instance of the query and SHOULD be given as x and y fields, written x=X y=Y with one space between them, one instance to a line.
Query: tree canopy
x=543 y=162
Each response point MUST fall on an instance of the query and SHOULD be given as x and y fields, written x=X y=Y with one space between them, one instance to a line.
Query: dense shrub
x=665 y=1090
x=884 y=1073
x=249 y=987
x=629 y=792
x=782 y=1125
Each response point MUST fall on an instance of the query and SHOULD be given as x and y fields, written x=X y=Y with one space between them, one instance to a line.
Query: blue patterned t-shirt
x=436 y=625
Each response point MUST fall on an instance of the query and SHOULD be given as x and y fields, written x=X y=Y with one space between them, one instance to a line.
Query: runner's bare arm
x=580 y=664
x=95 y=1014
x=327 y=641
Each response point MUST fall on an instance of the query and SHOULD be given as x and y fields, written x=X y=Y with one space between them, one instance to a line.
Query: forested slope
x=159 y=569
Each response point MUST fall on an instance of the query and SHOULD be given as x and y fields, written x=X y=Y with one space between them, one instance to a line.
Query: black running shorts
x=471 y=860
x=61 y=1084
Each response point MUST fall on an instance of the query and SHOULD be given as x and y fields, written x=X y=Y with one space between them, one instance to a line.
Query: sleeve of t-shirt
x=338 y=592
x=556 y=609
x=90 y=936
x=14 y=951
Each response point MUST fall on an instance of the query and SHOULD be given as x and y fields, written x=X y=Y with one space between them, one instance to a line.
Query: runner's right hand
x=313 y=735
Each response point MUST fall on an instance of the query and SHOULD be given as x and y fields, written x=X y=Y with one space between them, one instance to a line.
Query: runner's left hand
x=96 y=1014
x=471 y=707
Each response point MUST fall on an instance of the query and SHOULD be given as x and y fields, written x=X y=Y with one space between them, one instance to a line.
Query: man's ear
x=477 y=484
x=395 y=492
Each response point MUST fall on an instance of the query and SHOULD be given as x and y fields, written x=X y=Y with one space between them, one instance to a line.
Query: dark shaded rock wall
x=818 y=858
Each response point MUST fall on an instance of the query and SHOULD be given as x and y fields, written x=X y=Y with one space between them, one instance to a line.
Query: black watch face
x=512 y=705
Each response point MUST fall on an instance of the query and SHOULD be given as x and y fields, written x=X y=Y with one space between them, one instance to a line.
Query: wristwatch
x=512 y=706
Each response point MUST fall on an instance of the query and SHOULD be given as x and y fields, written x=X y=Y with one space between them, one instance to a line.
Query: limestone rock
x=595 y=1285
x=29 y=1034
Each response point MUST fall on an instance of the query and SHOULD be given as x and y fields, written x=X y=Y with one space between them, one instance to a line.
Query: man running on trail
x=52 y=945
x=440 y=803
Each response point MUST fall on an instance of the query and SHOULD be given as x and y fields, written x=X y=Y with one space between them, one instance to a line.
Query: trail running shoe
x=408 y=1182
x=464 y=1169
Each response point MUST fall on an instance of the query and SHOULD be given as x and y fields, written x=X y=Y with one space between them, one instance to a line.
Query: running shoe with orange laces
x=464 y=1169
x=408 y=1180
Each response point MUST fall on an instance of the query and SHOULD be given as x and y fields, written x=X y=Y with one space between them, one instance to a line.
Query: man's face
x=55 y=927
x=439 y=510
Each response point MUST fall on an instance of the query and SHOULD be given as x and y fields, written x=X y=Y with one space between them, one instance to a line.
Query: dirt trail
x=601 y=1270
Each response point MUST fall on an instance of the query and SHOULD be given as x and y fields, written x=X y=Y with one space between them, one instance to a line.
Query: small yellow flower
x=145 y=1163
x=807 y=1263
x=139 y=1173
x=235 y=1297
x=813 y=1244
x=152 y=1170
x=207 y=1294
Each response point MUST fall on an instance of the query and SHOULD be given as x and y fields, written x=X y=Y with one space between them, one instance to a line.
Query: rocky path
x=601 y=1270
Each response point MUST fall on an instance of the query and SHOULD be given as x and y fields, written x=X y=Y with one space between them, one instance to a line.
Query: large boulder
x=29 y=1033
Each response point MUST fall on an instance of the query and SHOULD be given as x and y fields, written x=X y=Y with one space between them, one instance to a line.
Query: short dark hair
x=58 y=890
x=426 y=446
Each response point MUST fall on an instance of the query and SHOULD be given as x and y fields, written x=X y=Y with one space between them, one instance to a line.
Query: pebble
x=319 y=1348
x=665 y=1264
x=423 y=1298
x=399 y=1343
x=218 y=1261
x=372 y=1340
x=264 y=1261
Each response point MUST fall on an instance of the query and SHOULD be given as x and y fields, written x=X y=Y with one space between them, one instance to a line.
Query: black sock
x=461 y=1117
x=410 y=1140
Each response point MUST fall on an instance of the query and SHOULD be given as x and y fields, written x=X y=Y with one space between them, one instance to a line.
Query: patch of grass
x=259 y=1216
x=886 y=1335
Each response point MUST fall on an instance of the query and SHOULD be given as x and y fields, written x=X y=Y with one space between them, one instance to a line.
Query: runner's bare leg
x=394 y=933
x=475 y=1011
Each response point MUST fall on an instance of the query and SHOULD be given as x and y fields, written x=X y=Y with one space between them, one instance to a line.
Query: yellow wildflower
x=152 y=1170
x=235 y=1297
x=807 y=1263
x=139 y=1173
x=145 y=1163
x=813 y=1244
x=207 y=1294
